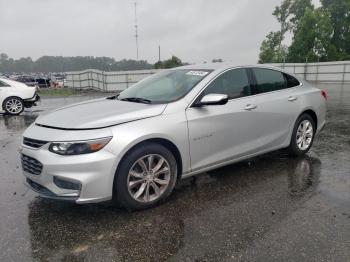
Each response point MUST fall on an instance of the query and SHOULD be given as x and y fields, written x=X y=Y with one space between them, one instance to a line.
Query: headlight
x=78 y=147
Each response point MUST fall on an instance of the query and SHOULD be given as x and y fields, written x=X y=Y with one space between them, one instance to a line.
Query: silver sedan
x=133 y=147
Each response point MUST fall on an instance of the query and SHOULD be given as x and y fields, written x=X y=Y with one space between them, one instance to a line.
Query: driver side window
x=234 y=83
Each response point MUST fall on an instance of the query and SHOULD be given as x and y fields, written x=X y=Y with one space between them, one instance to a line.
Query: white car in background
x=15 y=96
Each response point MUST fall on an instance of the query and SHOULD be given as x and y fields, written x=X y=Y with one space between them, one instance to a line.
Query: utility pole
x=136 y=34
x=159 y=53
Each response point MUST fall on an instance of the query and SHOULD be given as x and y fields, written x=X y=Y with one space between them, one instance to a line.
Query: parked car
x=15 y=96
x=43 y=82
x=28 y=80
x=58 y=80
x=134 y=146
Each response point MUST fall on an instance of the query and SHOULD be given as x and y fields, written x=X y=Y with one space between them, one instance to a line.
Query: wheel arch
x=309 y=111
x=8 y=97
x=291 y=148
x=161 y=141
x=312 y=114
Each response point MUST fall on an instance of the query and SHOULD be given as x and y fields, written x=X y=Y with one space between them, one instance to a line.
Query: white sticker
x=197 y=73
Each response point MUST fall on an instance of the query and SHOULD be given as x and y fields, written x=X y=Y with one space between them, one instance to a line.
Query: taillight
x=324 y=94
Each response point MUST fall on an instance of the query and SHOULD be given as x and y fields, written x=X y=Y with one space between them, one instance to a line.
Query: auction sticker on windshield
x=197 y=73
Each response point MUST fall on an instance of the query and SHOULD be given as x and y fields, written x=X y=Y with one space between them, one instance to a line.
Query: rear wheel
x=145 y=177
x=303 y=135
x=13 y=105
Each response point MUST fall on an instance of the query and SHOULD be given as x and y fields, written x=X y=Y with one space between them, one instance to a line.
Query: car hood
x=98 y=113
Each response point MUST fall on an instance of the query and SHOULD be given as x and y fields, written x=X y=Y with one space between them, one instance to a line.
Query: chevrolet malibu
x=132 y=148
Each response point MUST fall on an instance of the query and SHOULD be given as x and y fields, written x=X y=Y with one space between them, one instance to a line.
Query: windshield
x=164 y=87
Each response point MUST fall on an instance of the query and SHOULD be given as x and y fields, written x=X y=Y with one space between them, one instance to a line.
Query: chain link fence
x=335 y=72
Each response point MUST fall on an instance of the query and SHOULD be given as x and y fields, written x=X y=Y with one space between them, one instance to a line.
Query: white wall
x=118 y=81
x=320 y=72
x=106 y=81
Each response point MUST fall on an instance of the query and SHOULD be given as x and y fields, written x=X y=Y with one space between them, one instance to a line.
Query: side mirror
x=213 y=99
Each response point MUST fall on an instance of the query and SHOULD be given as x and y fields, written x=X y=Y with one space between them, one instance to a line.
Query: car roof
x=224 y=66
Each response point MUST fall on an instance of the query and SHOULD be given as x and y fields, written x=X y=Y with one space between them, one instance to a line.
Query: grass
x=63 y=92
x=66 y=92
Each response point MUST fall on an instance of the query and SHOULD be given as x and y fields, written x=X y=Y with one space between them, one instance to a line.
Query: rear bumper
x=31 y=101
x=321 y=127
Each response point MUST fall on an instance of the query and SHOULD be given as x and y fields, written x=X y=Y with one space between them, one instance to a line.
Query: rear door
x=223 y=132
x=277 y=105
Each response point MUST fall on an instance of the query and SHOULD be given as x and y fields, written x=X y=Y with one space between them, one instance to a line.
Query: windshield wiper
x=112 y=97
x=137 y=100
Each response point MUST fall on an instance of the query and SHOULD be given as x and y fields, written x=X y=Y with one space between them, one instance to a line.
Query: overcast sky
x=195 y=30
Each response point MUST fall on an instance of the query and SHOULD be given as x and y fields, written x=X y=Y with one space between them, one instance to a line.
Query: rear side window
x=291 y=81
x=2 y=84
x=234 y=83
x=268 y=80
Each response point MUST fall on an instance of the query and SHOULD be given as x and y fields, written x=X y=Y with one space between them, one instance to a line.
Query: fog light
x=66 y=184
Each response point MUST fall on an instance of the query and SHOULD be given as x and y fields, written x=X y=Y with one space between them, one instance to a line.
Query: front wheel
x=13 y=105
x=145 y=177
x=303 y=135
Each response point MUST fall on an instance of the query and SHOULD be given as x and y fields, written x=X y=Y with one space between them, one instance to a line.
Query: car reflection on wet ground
x=270 y=208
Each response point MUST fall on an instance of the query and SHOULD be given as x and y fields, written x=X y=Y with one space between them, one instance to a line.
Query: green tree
x=62 y=64
x=217 y=60
x=282 y=13
x=170 y=63
x=159 y=65
x=3 y=57
x=340 y=16
x=271 y=50
x=297 y=10
x=311 y=41
x=288 y=14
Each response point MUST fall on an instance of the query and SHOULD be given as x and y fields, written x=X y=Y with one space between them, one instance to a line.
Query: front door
x=223 y=132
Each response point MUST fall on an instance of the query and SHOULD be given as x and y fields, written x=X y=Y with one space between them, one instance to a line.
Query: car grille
x=33 y=142
x=31 y=165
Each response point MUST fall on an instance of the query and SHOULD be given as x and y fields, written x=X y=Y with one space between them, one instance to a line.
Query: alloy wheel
x=304 y=135
x=148 y=178
x=14 y=106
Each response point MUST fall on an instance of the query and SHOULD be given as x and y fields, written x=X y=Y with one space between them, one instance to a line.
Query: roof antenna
x=136 y=34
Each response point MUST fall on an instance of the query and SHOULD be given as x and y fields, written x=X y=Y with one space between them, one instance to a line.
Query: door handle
x=292 y=98
x=250 y=107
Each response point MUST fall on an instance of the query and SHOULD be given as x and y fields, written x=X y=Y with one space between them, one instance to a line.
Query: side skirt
x=228 y=162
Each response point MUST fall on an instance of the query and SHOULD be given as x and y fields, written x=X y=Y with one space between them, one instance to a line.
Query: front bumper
x=44 y=192
x=91 y=175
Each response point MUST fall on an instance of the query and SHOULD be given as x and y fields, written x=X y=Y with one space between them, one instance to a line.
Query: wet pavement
x=271 y=208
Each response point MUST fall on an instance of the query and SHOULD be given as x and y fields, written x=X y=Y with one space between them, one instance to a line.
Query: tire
x=302 y=140
x=133 y=179
x=13 y=105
